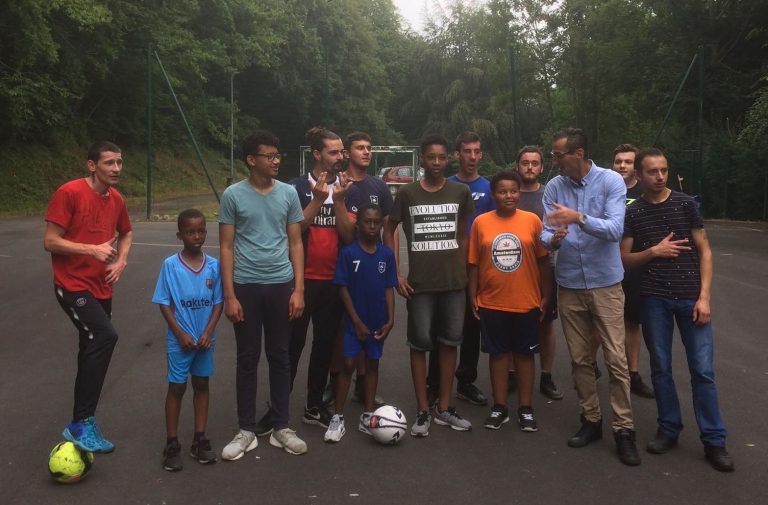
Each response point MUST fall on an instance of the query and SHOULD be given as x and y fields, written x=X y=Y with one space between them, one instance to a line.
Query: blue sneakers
x=87 y=435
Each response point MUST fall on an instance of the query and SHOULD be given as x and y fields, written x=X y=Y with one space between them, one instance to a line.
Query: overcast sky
x=412 y=11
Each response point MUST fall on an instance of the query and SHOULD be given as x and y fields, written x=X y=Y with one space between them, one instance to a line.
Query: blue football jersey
x=191 y=294
x=367 y=277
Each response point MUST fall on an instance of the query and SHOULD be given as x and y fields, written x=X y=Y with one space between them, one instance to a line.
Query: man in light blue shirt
x=584 y=221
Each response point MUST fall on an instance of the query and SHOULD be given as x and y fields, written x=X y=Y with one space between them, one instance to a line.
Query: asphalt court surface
x=37 y=363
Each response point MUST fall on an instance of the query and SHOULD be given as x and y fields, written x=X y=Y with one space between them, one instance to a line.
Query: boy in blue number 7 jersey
x=366 y=275
x=190 y=297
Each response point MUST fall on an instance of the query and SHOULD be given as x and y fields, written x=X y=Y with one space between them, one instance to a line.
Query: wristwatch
x=582 y=219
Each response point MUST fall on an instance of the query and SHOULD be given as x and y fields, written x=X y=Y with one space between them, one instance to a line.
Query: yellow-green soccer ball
x=68 y=464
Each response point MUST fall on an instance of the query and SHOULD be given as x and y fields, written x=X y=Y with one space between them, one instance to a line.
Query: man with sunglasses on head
x=584 y=221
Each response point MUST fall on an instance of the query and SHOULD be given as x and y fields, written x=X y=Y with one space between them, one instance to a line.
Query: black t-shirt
x=648 y=223
x=633 y=193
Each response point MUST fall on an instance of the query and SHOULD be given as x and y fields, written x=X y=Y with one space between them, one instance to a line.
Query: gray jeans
x=442 y=311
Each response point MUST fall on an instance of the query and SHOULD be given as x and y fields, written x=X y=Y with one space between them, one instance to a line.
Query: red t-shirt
x=87 y=218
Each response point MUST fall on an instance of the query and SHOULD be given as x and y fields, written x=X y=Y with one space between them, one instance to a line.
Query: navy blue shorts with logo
x=503 y=332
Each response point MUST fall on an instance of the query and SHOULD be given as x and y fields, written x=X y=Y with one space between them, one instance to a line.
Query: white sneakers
x=287 y=440
x=246 y=441
x=336 y=429
x=243 y=442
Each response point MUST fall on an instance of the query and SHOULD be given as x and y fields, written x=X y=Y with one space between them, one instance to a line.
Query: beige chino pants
x=599 y=312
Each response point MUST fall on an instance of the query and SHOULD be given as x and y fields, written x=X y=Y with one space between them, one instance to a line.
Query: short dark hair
x=187 y=215
x=505 y=175
x=258 y=138
x=575 y=139
x=368 y=206
x=317 y=135
x=467 y=137
x=625 y=148
x=529 y=149
x=433 y=139
x=101 y=146
x=354 y=137
x=647 y=152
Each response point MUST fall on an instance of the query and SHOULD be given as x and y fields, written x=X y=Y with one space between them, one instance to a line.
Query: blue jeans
x=659 y=316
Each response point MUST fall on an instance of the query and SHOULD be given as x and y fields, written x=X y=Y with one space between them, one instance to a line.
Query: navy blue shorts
x=503 y=332
x=632 y=301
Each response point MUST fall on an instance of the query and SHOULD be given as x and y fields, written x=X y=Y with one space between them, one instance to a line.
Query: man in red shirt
x=88 y=233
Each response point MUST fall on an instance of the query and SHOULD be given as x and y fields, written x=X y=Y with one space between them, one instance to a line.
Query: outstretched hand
x=562 y=215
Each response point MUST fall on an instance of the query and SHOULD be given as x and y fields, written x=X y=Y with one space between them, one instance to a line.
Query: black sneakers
x=172 y=457
x=625 y=446
x=201 y=451
x=548 y=388
x=318 y=416
x=589 y=432
x=719 y=458
x=526 y=419
x=661 y=444
x=499 y=416
x=638 y=387
x=470 y=393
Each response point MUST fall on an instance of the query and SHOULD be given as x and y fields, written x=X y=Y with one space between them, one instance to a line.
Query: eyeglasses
x=271 y=156
x=558 y=155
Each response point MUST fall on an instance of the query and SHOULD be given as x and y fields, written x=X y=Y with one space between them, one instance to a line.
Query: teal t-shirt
x=261 y=236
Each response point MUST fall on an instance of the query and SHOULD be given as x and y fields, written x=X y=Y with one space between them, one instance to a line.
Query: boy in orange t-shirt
x=509 y=283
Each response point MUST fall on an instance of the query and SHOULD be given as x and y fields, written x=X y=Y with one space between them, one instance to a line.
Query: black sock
x=170 y=440
x=199 y=435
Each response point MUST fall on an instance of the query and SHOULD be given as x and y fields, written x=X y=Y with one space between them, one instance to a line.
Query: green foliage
x=32 y=173
x=755 y=132
x=76 y=70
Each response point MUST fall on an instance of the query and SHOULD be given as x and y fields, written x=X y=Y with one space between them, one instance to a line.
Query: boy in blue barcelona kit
x=190 y=297
x=366 y=275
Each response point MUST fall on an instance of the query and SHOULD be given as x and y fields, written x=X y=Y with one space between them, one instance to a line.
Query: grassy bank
x=29 y=174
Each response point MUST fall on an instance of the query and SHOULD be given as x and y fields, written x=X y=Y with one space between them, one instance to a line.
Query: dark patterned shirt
x=648 y=223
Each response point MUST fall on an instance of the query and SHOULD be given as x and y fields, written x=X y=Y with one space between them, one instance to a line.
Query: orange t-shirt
x=506 y=250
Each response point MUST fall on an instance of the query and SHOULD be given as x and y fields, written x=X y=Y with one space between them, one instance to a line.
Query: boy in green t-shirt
x=434 y=213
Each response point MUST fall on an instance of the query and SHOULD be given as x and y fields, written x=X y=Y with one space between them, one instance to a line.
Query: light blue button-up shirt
x=589 y=255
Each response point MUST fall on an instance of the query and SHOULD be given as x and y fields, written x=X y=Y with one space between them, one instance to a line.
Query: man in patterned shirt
x=676 y=278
